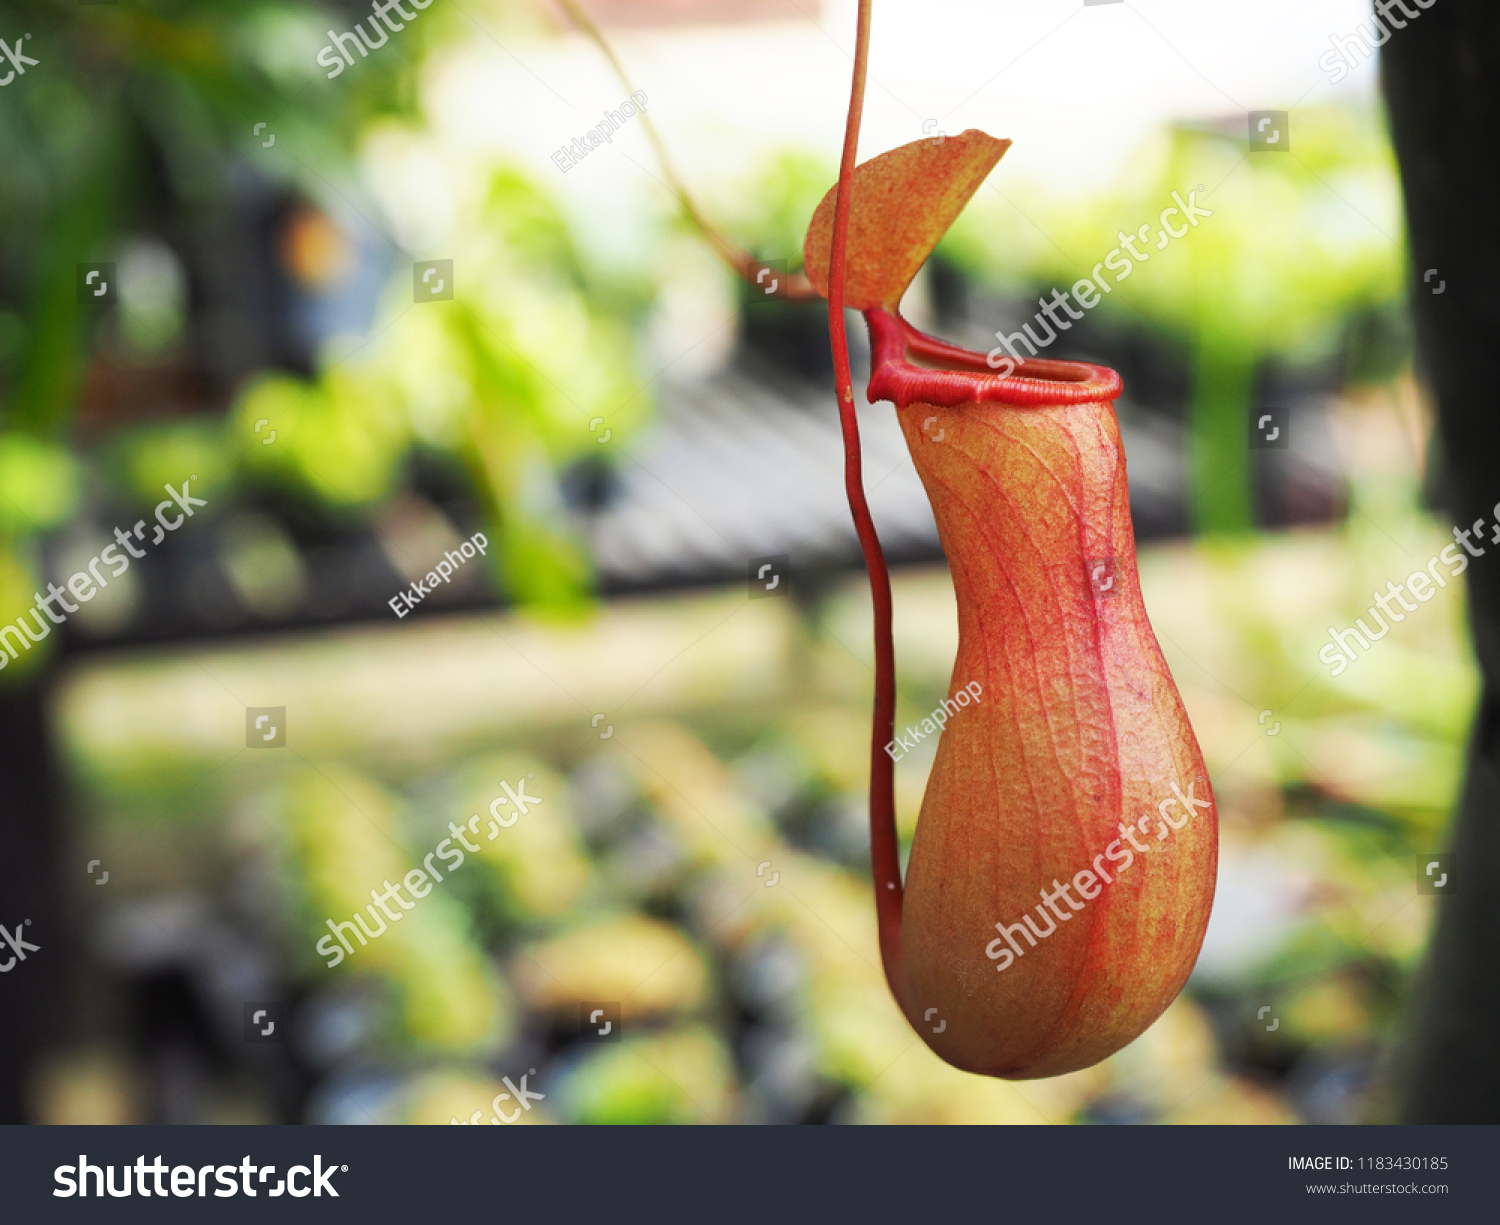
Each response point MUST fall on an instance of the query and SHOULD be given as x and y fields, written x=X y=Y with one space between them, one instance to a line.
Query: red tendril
x=885 y=855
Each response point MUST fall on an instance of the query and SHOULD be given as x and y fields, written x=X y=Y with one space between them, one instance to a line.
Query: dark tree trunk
x=1442 y=81
x=31 y=991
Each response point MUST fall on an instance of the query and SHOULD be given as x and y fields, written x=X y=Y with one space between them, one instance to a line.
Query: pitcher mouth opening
x=910 y=367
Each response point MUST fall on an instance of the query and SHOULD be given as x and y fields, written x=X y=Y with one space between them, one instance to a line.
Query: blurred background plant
x=1302 y=264
x=200 y=152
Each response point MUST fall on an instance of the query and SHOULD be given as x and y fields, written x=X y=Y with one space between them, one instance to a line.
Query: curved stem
x=885 y=856
x=795 y=287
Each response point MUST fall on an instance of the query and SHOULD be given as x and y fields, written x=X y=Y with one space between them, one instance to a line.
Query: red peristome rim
x=1041 y=382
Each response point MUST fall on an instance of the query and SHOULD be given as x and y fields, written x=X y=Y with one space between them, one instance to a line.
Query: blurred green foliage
x=138 y=125
x=770 y=209
x=133 y=117
x=1303 y=256
x=520 y=376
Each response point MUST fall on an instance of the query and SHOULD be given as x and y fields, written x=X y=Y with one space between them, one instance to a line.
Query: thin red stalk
x=885 y=855
x=794 y=287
